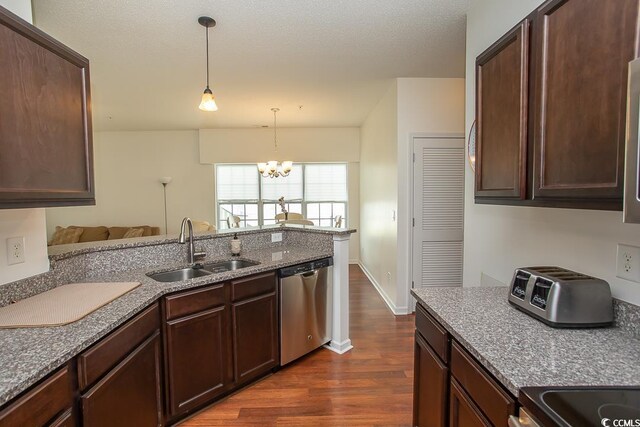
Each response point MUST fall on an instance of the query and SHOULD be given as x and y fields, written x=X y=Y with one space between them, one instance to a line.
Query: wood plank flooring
x=372 y=385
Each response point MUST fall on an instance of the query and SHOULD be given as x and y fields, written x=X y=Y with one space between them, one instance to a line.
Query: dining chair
x=233 y=221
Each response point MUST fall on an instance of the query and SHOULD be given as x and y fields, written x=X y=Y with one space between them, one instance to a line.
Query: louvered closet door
x=438 y=209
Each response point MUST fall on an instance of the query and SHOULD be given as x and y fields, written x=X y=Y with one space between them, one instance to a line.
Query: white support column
x=340 y=341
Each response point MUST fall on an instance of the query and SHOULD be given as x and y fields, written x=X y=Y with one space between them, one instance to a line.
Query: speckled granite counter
x=29 y=354
x=521 y=351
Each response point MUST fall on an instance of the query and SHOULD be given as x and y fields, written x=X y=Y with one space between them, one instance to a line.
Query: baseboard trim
x=398 y=311
x=354 y=261
x=339 y=347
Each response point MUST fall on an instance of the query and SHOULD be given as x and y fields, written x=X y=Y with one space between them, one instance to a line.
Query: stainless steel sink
x=229 y=265
x=202 y=270
x=178 y=275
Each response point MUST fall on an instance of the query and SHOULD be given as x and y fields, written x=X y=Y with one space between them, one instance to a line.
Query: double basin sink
x=201 y=270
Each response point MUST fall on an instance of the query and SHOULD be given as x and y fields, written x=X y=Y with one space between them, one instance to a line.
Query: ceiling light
x=208 y=102
x=273 y=169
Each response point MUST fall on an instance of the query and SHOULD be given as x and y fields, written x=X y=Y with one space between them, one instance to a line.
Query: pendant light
x=208 y=102
x=272 y=168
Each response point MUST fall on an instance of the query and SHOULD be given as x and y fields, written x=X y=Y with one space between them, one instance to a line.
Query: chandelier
x=272 y=168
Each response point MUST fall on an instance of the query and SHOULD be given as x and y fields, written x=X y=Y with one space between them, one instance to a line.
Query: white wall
x=427 y=106
x=128 y=166
x=500 y=238
x=378 y=193
x=295 y=144
x=28 y=223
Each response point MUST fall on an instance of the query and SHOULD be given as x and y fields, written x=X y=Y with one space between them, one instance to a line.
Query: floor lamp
x=164 y=181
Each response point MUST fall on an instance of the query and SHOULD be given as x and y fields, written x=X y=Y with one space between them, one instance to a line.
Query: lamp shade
x=208 y=102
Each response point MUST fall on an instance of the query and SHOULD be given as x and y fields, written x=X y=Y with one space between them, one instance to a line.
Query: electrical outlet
x=276 y=237
x=15 y=250
x=628 y=263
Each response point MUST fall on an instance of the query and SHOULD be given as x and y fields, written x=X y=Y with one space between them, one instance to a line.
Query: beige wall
x=426 y=107
x=28 y=223
x=500 y=238
x=410 y=106
x=128 y=166
x=378 y=193
x=295 y=144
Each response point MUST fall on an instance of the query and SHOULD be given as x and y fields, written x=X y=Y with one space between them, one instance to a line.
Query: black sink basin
x=582 y=406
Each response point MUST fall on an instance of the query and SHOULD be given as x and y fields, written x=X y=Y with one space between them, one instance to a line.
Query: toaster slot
x=541 y=289
x=519 y=287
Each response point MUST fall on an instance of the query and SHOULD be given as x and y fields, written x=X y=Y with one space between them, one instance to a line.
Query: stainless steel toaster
x=562 y=298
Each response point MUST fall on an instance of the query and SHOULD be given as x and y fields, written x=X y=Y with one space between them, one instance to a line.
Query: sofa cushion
x=93 y=234
x=133 y=232
x=119 y=232
x=64 y=236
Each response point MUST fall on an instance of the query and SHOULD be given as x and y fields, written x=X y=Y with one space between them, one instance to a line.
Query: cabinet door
x=463 y=412
x=430 y=383
x=501 y=114
x=582 y=50
x=46 y=154
x=130 y=394
x=197 y=362
x=255 y=336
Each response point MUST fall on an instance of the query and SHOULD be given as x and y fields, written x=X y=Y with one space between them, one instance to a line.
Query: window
x=317 y=191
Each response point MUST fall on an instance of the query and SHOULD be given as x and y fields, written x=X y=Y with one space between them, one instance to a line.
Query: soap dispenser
x=236 y=245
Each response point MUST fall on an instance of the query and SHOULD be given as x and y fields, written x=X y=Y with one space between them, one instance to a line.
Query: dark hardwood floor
x=372 y=385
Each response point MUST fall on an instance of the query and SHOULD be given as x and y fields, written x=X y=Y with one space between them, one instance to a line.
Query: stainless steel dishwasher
x=305 y=308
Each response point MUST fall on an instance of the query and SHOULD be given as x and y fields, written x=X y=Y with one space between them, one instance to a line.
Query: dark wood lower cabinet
x=430 y=388
x=197 y=363
x=130 y=394
x=255 y=336
x=450 y=386
x=463 y=412
x=42 y=405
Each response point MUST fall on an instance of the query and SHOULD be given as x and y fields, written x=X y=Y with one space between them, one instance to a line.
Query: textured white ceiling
x=334 y=57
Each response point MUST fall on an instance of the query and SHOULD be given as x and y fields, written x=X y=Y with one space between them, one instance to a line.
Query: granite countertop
x=521 y=351
x=29 y=354
x=59 y=252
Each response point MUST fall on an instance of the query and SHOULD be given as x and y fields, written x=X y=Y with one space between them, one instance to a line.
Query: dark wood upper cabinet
x=46 y=153
x=556 y=139
x=501 y=113
x=582 y=50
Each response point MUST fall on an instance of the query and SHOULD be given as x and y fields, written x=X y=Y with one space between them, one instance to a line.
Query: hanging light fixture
x=208 y=102
x=273 y=169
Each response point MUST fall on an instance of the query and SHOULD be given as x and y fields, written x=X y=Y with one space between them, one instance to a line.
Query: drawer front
x=194 y=301
x=253 y=286
x=495 y=402
x=40 y=405
x=462 y=411
x=65 y=420
x=433 y=333
x=95 y=362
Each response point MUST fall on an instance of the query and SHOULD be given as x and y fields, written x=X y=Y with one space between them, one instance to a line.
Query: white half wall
x=500 y=238
x=128 y=167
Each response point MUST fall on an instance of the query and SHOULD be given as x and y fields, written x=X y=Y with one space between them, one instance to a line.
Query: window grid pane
x=318 y=191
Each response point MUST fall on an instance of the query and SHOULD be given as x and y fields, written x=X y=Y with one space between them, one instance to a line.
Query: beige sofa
x=99 y=233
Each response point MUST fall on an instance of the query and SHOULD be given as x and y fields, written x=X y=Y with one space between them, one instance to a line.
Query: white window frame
x=261 y=202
